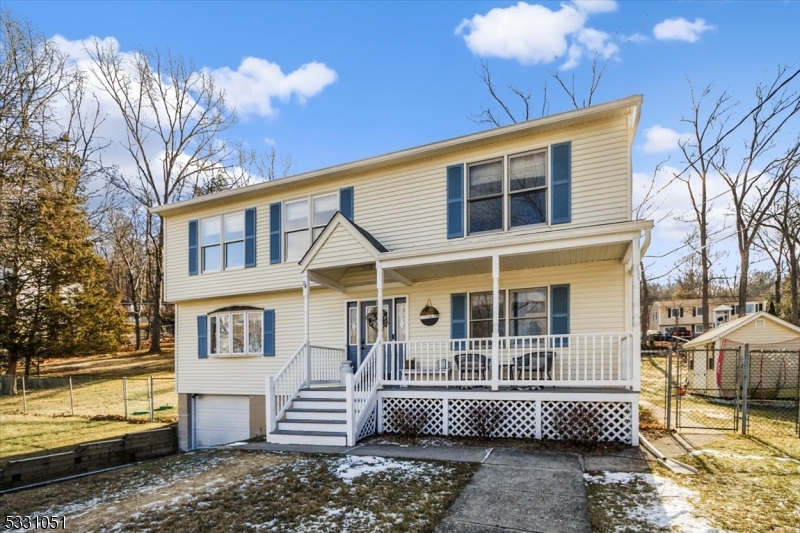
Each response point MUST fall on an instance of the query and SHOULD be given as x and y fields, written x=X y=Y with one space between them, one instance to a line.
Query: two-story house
x=688 y=313
x=491 y=273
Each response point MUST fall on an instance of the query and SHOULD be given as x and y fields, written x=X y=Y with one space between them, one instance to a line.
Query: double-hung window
x=507 y=193
x=485 y=195
x=527 y=313
x=222 y=242
x=527 y=189
x=304 y=221
x=235 y=333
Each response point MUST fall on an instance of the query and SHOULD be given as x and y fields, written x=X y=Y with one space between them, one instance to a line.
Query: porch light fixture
x=429 y=314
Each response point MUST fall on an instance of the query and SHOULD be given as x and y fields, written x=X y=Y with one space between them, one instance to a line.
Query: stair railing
x=284 y=387
x=362 y=389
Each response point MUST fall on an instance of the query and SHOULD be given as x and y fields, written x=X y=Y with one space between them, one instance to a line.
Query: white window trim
x=309 y=198
x=222 y=242
x=507 y=310
x=230 y=314
x=506 y=159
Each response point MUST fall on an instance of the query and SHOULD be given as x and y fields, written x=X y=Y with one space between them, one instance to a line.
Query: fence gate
x=752 y=390
x=704 y=386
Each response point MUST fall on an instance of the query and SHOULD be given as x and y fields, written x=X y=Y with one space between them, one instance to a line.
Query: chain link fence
x=139 y=398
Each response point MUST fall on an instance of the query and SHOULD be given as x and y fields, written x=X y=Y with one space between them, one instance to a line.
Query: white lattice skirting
x=611 y=421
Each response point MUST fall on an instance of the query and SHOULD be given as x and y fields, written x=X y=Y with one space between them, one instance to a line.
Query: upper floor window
x=749 y=308
x=304 y=221
x=675 y=312
x=498 y=199
x=698 y=311
x=222 y=242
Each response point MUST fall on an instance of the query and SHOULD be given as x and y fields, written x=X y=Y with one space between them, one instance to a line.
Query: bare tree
x=756 y=182
x=700 y=152
x=175 y=117
x=518 y=105
x=780 y=239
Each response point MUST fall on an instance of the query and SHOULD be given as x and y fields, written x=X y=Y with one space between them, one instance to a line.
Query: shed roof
x=725 y=329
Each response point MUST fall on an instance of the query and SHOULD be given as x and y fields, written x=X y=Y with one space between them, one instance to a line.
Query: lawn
x=233 y=490
x=49 y=419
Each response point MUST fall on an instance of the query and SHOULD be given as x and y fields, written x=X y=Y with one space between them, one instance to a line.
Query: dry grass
x=43 y=420
x=247 y=491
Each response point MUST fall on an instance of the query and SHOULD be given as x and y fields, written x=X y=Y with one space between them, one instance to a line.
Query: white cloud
x=680 y=29
x=534 y=34
x=252 y=87
x=660 y=139
x=636 y=38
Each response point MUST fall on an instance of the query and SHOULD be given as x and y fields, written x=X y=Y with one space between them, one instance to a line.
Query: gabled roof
x=722 y=330
x=629 y=106
x=367 y=240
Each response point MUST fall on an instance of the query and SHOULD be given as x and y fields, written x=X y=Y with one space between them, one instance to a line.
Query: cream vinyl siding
x=341 y=249
x=771 y=333
x=404 y=207
x=597 y=300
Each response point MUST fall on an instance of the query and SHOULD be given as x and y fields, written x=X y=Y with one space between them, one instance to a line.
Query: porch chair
x=529 y=362
x=468 y=364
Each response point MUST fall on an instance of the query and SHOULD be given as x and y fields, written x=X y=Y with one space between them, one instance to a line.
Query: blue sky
x=332 y=82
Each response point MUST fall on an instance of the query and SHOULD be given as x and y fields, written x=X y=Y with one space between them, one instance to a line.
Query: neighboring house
x=688 y=313
x=715 y=356
x=508 y=242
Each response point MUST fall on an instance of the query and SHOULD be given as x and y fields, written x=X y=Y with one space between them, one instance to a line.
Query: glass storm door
x=362 y=327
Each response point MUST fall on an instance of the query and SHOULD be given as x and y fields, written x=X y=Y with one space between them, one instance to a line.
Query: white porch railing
x=361 y=392
x=584 y=360
x=284 y=387
x=326 y=363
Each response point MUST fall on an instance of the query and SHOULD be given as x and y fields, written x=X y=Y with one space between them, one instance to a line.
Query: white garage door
x=221 y=419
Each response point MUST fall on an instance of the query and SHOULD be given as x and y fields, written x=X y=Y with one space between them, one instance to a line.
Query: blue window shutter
x=275 y=233
x=560 y=190
x=250 y=237
x=269 y=332
x=202 y=337
x=346 y=203
x=193 y=248
x=559 y=313
x=455 y=201
x=458 y=319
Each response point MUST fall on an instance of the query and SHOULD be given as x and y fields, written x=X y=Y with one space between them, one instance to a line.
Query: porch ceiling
x=362 y=275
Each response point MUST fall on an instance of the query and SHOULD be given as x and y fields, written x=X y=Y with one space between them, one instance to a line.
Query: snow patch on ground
x=668 y=506
x=726 y=455
x=350 y=467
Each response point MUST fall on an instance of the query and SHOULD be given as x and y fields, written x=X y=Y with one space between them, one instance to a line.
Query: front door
x=362 y=326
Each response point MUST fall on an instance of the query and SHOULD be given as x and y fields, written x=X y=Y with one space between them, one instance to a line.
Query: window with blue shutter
x=202 y=337
x=559 y=313
x=458 y=319
x=455 y=202
x=275 y=233
x=193 y=270
x=346 y=204
x=269 y=332
x=560 y=183
x=250 y=237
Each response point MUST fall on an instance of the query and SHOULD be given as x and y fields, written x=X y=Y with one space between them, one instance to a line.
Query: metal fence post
x=24 y=397
x=152 y=411
x=71 y=398
x=125 y=396
x=669 y=390
x=745 y=385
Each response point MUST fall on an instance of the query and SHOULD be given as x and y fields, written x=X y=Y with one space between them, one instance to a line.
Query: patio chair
x=470 y=364
x=539 y=361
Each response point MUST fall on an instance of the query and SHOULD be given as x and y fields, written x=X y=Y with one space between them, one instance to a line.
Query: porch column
x=379 y=341
x=306 y=328
x=636 y=325
x=495 y=322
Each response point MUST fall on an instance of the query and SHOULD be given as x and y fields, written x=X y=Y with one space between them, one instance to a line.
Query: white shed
x=774 y=346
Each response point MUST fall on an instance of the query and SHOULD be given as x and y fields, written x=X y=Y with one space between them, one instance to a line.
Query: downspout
x=645 y=245
x=193 y=424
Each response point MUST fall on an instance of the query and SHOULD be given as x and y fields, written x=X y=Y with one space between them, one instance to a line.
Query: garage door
x=221 y=419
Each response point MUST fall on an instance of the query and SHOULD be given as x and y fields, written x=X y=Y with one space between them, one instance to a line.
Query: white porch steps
x=318 y=416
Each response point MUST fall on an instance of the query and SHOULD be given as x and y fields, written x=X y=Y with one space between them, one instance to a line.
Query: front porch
x=510 y=346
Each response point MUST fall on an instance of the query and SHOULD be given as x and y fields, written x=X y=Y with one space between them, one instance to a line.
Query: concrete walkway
x=512 y=491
